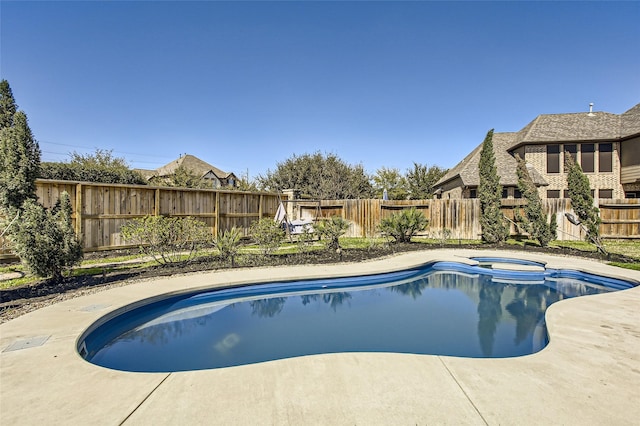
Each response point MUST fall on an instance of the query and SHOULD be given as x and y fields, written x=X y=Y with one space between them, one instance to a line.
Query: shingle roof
x=584 y=126
x=546 y=128
x=506 y=164
x=194 y=164
x=630 y=122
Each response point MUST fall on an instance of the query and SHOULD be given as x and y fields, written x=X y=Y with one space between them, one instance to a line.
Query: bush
x=332 y=229
x=167 y=239
x=404 y=225
x=267 y=234
x=228 y=243
x=45 y=240
x=305 y=239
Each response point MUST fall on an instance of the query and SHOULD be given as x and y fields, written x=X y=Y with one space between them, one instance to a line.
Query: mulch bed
x=16 y=301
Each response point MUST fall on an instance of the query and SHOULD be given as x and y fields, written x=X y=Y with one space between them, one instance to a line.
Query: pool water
x=440 y=309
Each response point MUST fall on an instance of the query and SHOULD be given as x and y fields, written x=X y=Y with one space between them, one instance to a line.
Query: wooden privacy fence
x=460 y=218
x=100 y=210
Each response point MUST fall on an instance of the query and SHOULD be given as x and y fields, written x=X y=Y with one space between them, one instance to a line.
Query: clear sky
x=245 y=85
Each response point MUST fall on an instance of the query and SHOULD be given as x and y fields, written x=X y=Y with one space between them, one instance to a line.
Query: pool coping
x=588 y=374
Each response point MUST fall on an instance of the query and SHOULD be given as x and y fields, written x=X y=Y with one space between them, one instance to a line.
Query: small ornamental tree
x=535 y=220
x=494 y=229
x=268 y=234
x=403 y=225
x=332 y=229
x=392 y=181
x=582 y=202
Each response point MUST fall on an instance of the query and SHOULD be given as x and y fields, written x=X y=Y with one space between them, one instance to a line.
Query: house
x=607 y=146
x=202 y=169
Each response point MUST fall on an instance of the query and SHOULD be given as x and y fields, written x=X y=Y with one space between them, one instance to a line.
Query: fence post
x=261 y=200
x=78 y=224
x=156 y=203
x=216 y=225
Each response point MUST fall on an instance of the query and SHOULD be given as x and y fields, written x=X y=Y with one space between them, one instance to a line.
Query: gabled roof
x=583 y=126
x=506 y=165
x=193 y=164
x=630 y=122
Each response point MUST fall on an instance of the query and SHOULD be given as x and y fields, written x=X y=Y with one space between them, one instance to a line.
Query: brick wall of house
x=536 y=155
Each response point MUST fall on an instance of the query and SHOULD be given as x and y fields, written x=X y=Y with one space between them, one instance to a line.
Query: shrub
x=305 y=239
x=267 y=234
x=167 y=239
x=44 y=239
x=332 y=229
x=228 y=243
x=403 y=225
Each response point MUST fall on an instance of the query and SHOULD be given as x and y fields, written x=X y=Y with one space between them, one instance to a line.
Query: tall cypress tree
x=582 y=202
x=494 y=228
x=536 y=220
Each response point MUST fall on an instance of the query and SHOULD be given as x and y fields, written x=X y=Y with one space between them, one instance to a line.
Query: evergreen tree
x=8 y=105
x=19 y=164
x=535 y=221
x=582 y=202
x=494 y=229
x=44 y=239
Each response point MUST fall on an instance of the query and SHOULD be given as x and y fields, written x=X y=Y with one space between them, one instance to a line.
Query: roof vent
x=591 y=109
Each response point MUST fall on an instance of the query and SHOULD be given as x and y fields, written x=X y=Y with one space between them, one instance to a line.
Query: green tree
x=582 y=202
x=392 y=181
x=20 y=163
x=422 y=179
x=44 y=239
x=535 y=220
x=8 y=105
x=494 y=229
x=100 y=166
x=319 y=176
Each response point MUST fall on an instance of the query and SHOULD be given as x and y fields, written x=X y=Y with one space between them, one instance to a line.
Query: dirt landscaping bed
x=19 y=300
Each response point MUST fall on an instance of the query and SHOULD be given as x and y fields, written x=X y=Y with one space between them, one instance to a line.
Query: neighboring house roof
x=506 y=165
x=193 y=164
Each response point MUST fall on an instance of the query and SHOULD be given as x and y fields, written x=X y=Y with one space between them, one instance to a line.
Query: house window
x=605 y=156
x=473 y=193
x=553 y=193
x=586 y=157
x=505 y=193
x=605 y=193
x=517 y=193
x=553 y=158
x=570 y=150
x=565 y=193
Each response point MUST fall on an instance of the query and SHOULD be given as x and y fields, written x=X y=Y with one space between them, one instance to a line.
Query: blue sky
x=245 y=85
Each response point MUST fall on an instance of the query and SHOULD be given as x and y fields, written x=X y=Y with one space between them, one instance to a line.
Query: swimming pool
x=494 y=308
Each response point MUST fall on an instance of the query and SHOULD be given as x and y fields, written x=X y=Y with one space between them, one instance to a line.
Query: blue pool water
x=442 y=308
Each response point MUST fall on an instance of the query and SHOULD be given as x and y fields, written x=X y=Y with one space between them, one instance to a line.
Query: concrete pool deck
x=589 y=374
